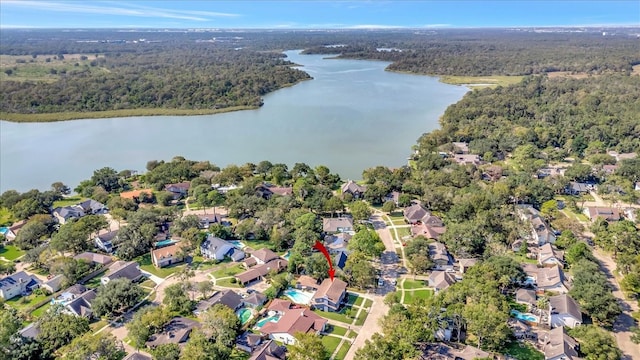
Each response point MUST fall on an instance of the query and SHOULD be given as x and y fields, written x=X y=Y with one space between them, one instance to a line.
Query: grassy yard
x=409 y=284
x=344 y=349
x=339 y=316
x=399 y=222
x=25 y=302
x=411 y=296
x=6 y=217
x=481 y=81
x=330 y=343
x=11 y=252
x=337 y=330
x=354 y=299
x=67 y=201
x=147 y=265
x=148 y=283
x=227 y=271
x=523 y=352
x=201 y=263
x=95 y=282
x=259 y=244
x=41 y=310
x=523 y=259
x=227 y=283
x=361 y=318
x=97 y=325
x=403 y=231
x=367 y=303
x=352 y=334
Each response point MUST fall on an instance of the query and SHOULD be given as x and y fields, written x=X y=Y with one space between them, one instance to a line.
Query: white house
x=548 y=256
x=17 y=284
x=291 y=322
x=564 y=311
x=215 y=248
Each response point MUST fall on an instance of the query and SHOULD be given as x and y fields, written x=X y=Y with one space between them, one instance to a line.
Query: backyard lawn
x=147 y=265
x=228 y=271
x=11 y=252
x=201 y=263
x=409 y=284
x=337 y=330
x=25 y=302
x=523 y=352
x=97 y=325
x=95 y=282
x=404 y=231
x=259 y=244
x=354 y=299
x=41 y=310
x=330 y=343
x=361 y=318
x=339 y=316
x=411 y=296
x=367 y=303
x=67 y=201
x=227 y=283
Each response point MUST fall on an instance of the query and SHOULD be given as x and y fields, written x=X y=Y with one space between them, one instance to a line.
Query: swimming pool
x=287 y=255
x=165 y=243
x=238 y=244
x=299 y=296
x=4 y=230
x=524 y=316
x=244 y=315
x=273 y=318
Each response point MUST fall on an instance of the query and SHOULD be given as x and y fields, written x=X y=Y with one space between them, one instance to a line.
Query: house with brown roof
x=122 y=269
x=228 y=298
x=305 y=282
x=269 y=351
x=558 y=345
x=440 y=256
x=548 y=255
x=352 y=188
x=415 y=213
x=266 y=191
x=526 y=297
x=94 y=258
x=337 y=225
x=468 y=159
x=440 y=280
x=264 y=255
x=176 y=331
x=329 y=295
x=178 y=190
x=564 y=311
x=547 y=278
x=607 y=213
x=259 y=271
x=470 y=353
x=168 y=255
x=465 y=264
x=292 y=320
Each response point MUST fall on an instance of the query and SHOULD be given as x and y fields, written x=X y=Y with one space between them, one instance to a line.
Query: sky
x=312 y=14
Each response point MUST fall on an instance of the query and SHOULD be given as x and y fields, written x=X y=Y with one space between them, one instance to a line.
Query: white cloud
x=374 y=26
x=132 y=10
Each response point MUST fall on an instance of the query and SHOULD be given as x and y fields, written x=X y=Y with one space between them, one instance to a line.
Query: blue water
x=287 y=255
x=238 y=244
x=274 y=318
x=244 y=315
x=3 y=230
x=298 y=296
x=165 y=243
x=524 y=317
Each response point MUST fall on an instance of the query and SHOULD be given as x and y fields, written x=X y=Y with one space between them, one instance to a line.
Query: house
x=54 y=284
x=526 y=297
x=216 y=248
x=92 y=207
x=137 y=356
x=337 y=225
x=340 y=259
x=305 y=282
x=519 y=328
x=492 y=173
x=415 y=213
x=228 y=298
x=168 y=255
x=225 y=189
x=440 y=256
x=8 y=234
x=440 y=280
x=175 y=332
x=264 y=255
x=105 y=240
x=259 y=271
x=548 y=255
x=551 y=172
x=122 y=269
x=460 y=147
x=329 y=295
x=431 y=230
x=577 y=188
x=465 y=264
x=470 y=353
x=337 y=243
x=67 y=213
x=468 y=159
x=248 y=342
x=249 y=262
x=13 y=230
x=94 y=258
x=207 y=219
x=269 y=351
x=392 y=196
x=81 y=305
x=266 y=191
x=352 y=188
x=68 y=294
x=292 y=321
x=631 y=214
x=609 y=169
x=178 y=190
x=541 y=232
x=637 y=186
x=607 y=213
x=559 y=346
x=547 y=278
x=136 y=194
x=19 y=283
x=254 y=300
x=564 y=311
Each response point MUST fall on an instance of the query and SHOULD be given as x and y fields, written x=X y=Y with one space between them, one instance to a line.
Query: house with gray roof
x=105 y=240
x=526 y=297
x=254 y=300
x=54 y=284
x=337 y=225
x=440 y=256
x=577 y=188
x=269 y=351
x=67 y=213
x=92 y=207
x=548 y=255
x=228 y=298
x=81 y=305
x=558 y=345
x=19 y=283
x=440 y=280
x=352 y=188
x=216 y=248
x=176 y=331
x=122 y=269
x=94 y=258
x=564 y=311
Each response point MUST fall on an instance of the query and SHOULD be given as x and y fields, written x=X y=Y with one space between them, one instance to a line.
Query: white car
x=380 y=282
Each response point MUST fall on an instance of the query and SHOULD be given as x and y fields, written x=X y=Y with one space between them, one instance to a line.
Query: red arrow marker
x=318 y=246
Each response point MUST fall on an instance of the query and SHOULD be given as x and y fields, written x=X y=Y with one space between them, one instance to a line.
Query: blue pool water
x=238 y=244
x=524 y=317
x=165 y=243
x=287 y=255
x=274 y=318
x=299 y=296
x=3 y=230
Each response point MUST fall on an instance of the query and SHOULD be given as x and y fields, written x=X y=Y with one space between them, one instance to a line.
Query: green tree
x=116 y=297
x=591 y=290
x=177 y=300
x=146 y=322
x=220 y=325
x=577 y=252
x=388 y=206
x=107 y=178
x=10 y=323
x=333 y=205
x=58 y=329
x=204 y=288
x=316 y=266
x=596 y=343
x=367 y=242
x=166 y=352
x=199 y=347
x=360 y=210
x=102 y=346
x=308 y=347
x=359 y=270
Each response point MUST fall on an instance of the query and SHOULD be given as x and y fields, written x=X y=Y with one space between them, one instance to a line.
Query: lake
x=353 y=115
